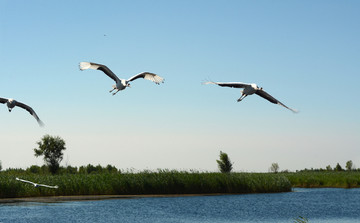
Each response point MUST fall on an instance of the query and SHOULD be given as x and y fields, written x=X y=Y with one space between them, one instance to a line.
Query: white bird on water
x=121 y=84
x=11 y=103
x=35 y=184
x=250 y=89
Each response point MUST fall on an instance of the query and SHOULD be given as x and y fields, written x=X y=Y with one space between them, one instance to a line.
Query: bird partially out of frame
x=11 y=103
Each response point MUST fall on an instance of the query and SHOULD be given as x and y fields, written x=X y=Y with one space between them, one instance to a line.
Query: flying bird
x=11 y=103
x=35 y=184
x=121 y=84
x=249 y=89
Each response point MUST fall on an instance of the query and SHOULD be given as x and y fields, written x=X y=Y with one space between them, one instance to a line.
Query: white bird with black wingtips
x=11 y=103
x=121 y=84
x=250 y=89
x=36 y=184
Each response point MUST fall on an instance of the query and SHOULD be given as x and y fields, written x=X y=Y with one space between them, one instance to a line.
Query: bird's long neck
x=11 y=104
x=125 y=83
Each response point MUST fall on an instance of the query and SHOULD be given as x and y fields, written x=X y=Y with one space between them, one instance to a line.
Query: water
x=318 y=205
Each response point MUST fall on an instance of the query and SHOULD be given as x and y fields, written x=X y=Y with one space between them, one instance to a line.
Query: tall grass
x=341 y=179
x=161 y=182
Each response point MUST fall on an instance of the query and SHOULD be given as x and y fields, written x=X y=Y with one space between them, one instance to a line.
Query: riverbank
x=53 y=199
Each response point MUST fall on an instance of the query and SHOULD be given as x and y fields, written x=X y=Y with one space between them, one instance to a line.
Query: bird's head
x=128 y=84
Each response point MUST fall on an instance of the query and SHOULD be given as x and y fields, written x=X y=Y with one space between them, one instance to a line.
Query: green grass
x=341 y=179
x=169 y=182
x=161 y=182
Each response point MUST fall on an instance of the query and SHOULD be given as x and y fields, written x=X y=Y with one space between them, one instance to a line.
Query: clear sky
x=304 y=53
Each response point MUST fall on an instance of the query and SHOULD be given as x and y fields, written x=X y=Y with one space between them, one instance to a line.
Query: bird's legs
x=115 y=91
x=114 y=88
x=242 y=97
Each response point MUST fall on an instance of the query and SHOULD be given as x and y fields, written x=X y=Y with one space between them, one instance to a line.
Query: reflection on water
x=318 y=205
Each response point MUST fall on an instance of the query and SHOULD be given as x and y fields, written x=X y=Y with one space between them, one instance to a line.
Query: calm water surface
x=318 y=205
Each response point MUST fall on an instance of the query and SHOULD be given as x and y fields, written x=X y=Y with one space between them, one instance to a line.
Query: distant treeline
x=316 y=179
x=66 y=170
x=348 y=167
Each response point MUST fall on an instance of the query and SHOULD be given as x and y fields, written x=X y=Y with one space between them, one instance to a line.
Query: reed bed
x=160 y=182
x=340 y=179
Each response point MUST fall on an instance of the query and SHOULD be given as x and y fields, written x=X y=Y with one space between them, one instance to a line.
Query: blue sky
x=304 y=53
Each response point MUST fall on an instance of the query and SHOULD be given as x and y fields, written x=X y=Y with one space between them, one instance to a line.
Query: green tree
x=52 y=149
x=338 y=167
x=274 y=167
x=0 y=166
x=71 y=170
x=90 y=168
x=349 y=165
x=82 y=169
x=224 y=164
x=111 y=169
x=34 y=169
x=328 y=168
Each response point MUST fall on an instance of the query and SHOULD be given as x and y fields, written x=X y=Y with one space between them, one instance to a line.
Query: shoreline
x=54 y=199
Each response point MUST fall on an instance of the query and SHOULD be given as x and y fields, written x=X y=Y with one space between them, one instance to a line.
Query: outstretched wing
x=270 y=98
x=103 y=68
x=229 y=84
x=3 y=100
x=25 y=181
x=44 y=185
x=148 y=76
x=31 y=111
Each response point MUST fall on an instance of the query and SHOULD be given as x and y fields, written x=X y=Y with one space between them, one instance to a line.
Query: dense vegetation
x=146 y=182
x=343 y=179
x=98 y=180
